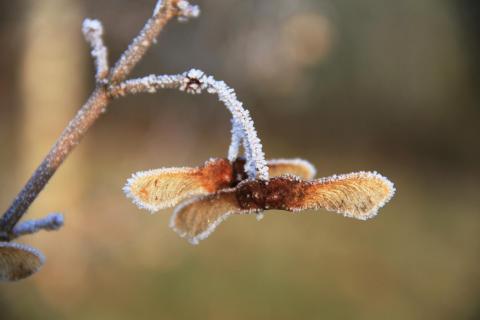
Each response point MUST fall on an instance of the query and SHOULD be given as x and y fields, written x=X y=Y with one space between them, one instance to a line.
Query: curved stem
x=194 y=82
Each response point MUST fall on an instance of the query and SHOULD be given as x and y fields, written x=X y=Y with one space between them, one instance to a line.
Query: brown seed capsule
x=18 y=261
x=357 y=195
x=277 y=193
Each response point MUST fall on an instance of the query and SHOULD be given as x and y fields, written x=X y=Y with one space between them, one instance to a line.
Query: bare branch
x=93 y=32
x=51 y=222
x=95 y=105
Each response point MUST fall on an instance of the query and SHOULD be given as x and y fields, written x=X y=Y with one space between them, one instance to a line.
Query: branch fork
x=20 y=261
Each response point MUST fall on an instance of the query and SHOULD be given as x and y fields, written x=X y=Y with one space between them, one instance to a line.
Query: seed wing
x=162 y=188
x=356 y=195
x=197 y=218
x=18 y=261
x=298 y=167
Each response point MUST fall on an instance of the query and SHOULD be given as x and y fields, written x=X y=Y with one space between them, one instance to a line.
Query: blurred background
x=391 y=86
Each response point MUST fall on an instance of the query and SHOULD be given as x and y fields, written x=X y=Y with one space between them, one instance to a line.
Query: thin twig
x=51 y=222
x=91 y=110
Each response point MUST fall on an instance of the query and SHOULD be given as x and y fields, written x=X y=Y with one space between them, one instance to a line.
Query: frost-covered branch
x=96 y=104
x=93 y=32
x=51 y=222
x=195 y=82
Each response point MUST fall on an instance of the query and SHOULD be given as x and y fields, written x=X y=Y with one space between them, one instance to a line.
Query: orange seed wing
x=162 y=188
x=197 y=218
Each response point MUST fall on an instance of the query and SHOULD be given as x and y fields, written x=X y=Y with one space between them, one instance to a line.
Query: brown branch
x=91 y=110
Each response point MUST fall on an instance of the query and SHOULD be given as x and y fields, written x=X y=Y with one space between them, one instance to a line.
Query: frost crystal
x=193 y=82
x=237 y=135
x=187 y=11
x=149 y=84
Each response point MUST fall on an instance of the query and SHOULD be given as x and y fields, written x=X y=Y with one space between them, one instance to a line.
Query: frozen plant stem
x=164 y=11
x=96 y=104
x=51 y=222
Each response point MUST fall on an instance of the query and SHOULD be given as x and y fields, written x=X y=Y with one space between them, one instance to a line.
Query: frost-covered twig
x=93 y=32
x=195 y=82
x=163 y=12
x=51 y=222
x=92 y=109
x=187 y=11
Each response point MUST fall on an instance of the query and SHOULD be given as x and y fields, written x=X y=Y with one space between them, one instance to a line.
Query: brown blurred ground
x=350 y=85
